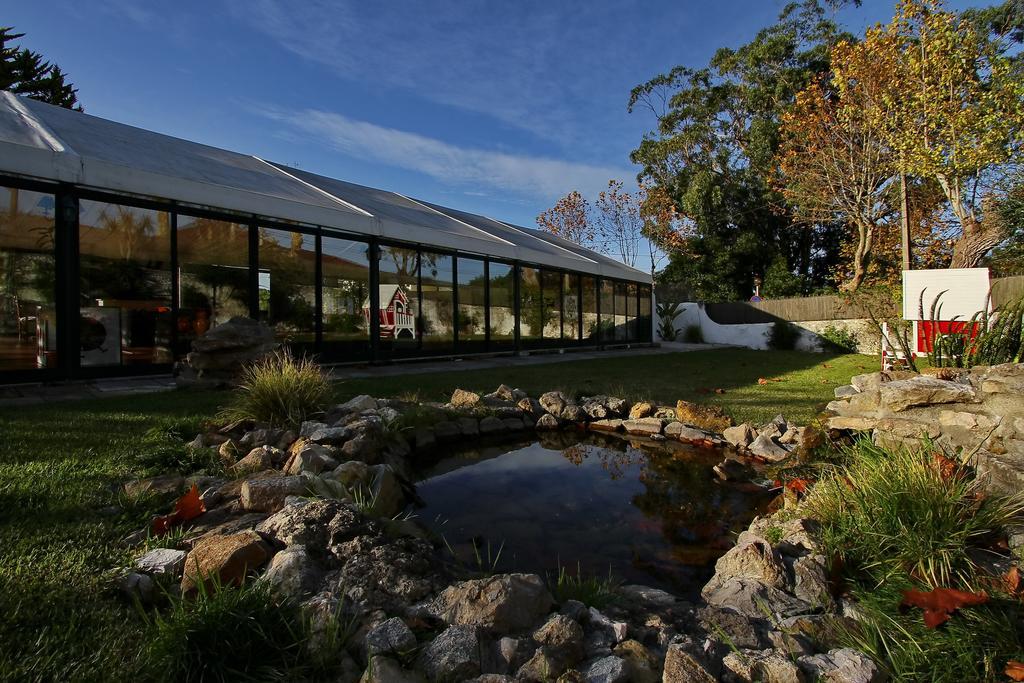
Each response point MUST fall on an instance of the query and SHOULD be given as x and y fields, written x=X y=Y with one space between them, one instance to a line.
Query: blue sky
x=493 y=107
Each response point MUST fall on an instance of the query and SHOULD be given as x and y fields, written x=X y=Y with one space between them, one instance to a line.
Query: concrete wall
x=755 y=335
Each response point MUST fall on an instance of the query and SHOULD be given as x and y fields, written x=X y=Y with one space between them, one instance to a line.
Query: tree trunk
x=979 y=237
x=865 y=236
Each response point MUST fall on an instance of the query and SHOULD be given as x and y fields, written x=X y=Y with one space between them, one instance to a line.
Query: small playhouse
x=939 y=302
x=397 y=320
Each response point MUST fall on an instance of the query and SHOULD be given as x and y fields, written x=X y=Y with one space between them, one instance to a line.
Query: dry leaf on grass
x=189 y=506
x=1014 y=670
x=940 y=603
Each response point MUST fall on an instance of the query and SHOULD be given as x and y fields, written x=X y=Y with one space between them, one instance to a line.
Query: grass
x=592 y=591
x=60 y=466
x=279 y=390
x=899 y=519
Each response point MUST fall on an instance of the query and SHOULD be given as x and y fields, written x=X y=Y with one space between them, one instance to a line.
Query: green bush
x=279 y=390
x=838 y=339
x=692 y=334
x=783 y=336
x=225 y=634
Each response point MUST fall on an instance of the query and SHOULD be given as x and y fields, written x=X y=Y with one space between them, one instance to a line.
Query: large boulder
x=164 y=561
x=218 y=355
x=464 y=399
x=923 y=391
x=505 y=602
x=391 y=636
x=225 y=559
x=452 y=656
x=711 y=418
x=553 y=402
x=292 y=573
x=267 y=494
x=845 y=665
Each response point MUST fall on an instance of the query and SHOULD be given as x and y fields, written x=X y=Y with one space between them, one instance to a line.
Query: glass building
x=120 y=246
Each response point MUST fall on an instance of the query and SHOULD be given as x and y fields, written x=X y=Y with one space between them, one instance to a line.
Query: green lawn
x=60 y=463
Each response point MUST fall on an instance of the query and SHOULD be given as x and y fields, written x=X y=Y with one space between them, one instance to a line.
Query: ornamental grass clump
x=279 y=390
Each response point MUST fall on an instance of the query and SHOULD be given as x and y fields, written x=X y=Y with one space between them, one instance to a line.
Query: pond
x=648 y=513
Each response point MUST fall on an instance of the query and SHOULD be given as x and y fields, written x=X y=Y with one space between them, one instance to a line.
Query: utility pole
x=904 y=222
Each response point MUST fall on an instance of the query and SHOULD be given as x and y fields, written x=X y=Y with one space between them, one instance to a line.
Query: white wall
x=755 y=335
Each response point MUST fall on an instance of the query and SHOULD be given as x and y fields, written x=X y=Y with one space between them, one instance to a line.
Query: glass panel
x=552 y=289
x=607 y=310
x=591 y=330
x=437 y=283
x=502 y=312
x=645 y=314
x=124 y=284
x=345 y=272
x=531 y=320
x=213 y=276
x=471 y=301
x=620 y=312
x=287 y=281
x=633 y=331
x=570 y=307
x=28 y=325
x=399 y=298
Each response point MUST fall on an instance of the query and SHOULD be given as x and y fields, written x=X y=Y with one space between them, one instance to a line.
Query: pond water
x=648 y=513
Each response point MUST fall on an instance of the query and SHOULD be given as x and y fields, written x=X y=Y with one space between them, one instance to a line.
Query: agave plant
x=667 y=314
x=986 y=339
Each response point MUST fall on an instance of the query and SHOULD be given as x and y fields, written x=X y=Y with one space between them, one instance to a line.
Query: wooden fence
x=828 y=307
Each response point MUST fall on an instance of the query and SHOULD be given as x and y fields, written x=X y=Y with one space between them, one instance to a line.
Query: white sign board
x=965 y=292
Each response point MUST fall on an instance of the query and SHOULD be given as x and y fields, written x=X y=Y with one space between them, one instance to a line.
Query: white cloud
x=532 y=176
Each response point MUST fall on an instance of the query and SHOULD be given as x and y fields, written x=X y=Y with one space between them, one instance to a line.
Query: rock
x=464 y=399
x=447 y=431
x=845 y=665
x=561 y=640
x=921 y=390
x=711 y=418
x=595 y=410
x=292 y=573
x=680 y=432
x=682 y=667
x=753 y=558
x=845 y=391
x=268 y=494
x=386 y=670
x=504 y=603
x=358 y=404
x=639 y=410
x=164 y=484
x=644 y=666
x=363 y=447
x=530 y=406
x=548 y=422
x=218 y=355
x=740 y=436
x=853 y=424
x=645 y=426
x=764 y=447
x=308 y=428
x=423 y=438
x=610 y=669
x=353 y=472
x=310 y=457
x=872 y=381
x=647 y=596
x=553 y=402
x=491 y=425
x=386 y=491
x=1007 y=378
x=330 y=436
x=767 y=666
x=613 y=425
x=470 y=426
x=737 y=629
x=618 y=407
x=751 y=597
x=573 y=413
x=509 y=654
x=260 y=458
x=617 y=629
x=260 y=437
x=228 y=558
x=390 y=637
x=811 y=584
x=453 y=655
x=164 y=561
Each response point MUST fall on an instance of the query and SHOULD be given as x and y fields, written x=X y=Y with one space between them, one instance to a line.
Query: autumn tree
x=570 y=219
x=25 y=72
x=951 y=111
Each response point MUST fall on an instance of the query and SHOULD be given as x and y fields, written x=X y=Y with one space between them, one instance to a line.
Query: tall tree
x=25 y=72
x=713 y=152
x=951 y=112
x=569 y=219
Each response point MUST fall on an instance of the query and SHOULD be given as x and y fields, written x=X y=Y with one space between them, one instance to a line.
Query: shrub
x=667 y=314
x=225 y=634
x=783 y=336
x=838 y=339
x=890 y=512
x=692 y=334
x=279 y=390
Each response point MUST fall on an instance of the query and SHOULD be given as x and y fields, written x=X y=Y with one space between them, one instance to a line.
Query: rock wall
x=977 y=413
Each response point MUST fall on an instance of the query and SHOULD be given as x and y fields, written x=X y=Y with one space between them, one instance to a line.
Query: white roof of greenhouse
x=42 y=141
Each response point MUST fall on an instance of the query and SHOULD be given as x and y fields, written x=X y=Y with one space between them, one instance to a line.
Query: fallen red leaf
x=940 y=603
x=719 y=391
x=1011 y=581
x=1014 y=670
x=825 y=365
x=947 y=467
x=189 y=506
x=762 y=380
x=798 y=485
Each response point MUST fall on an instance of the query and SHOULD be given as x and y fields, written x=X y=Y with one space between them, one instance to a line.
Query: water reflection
x=652 y=514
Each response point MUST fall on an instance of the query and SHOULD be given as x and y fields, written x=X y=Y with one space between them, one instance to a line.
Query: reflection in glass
x=551 y=287
x=645 y=317
x=570 y=307
x=213 y=276
x=621 y=332
x=124 y=284
x=437 y=285
x=28 y=327
x=472 y=287
x=607 y=310
x=399 y=298
x=345 y=273
x=632 y=329
x=502 y=313
x=591 y=331
x=531 y=313
x=287 y=281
